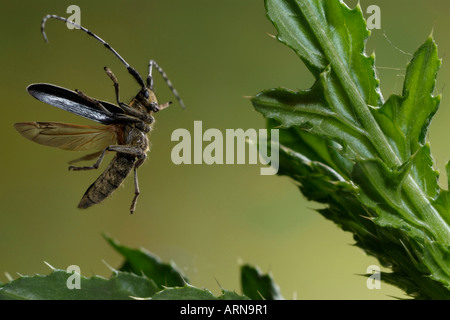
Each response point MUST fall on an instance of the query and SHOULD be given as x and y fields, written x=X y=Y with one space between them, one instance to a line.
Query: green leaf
x=319 y=29
x=140 y=261
x=308 y=107
x=188 y=292
x=405 y=119
x=121 y=286
x=136 y=284
x=369 y=160
x=258 y=286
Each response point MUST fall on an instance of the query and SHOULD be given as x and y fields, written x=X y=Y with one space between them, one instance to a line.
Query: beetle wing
x=70 y=136
x=70 y=101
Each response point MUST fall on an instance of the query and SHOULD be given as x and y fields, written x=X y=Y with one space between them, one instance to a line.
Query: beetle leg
x=116 y=85
x=94 y=166
x=86 y=157
x=115 y=148
x=122 y=105
x=94 y=101
x=129 y=118
x=127 y=150
x=111 y=75
x=136 y=184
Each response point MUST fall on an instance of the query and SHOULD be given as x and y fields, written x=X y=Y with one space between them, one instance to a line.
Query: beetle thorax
x=136 y=137
x=145 y=101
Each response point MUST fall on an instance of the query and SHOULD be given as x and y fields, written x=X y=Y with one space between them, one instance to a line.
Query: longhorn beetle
x=123 y=131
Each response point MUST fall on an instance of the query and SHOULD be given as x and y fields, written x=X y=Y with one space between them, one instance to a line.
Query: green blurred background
x=207 y=219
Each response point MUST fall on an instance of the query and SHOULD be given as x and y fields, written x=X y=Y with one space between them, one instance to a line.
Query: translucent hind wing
x=69 y=136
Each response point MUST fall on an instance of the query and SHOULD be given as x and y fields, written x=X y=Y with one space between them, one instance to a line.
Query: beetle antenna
x=164 y=75
x=131 y=70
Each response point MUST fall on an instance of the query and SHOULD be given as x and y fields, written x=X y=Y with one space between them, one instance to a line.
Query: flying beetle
x=124 y=127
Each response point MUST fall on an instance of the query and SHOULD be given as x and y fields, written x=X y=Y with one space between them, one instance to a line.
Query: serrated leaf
x=258 y=286
x=318 y=29
x=442 y=203
x=292 y=108
x=387 y=192
x=405 y=119
x=141 y=261
x=418 y=106
x=188 y=292
x=121 y=286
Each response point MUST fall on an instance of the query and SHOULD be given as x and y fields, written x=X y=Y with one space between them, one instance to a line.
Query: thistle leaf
x=369 y=160
x=188 y=292
x=258 y=286
x=121 y=286
x=142 y=262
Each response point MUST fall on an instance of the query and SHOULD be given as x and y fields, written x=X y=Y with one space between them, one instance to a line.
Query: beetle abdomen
x=119 y=168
